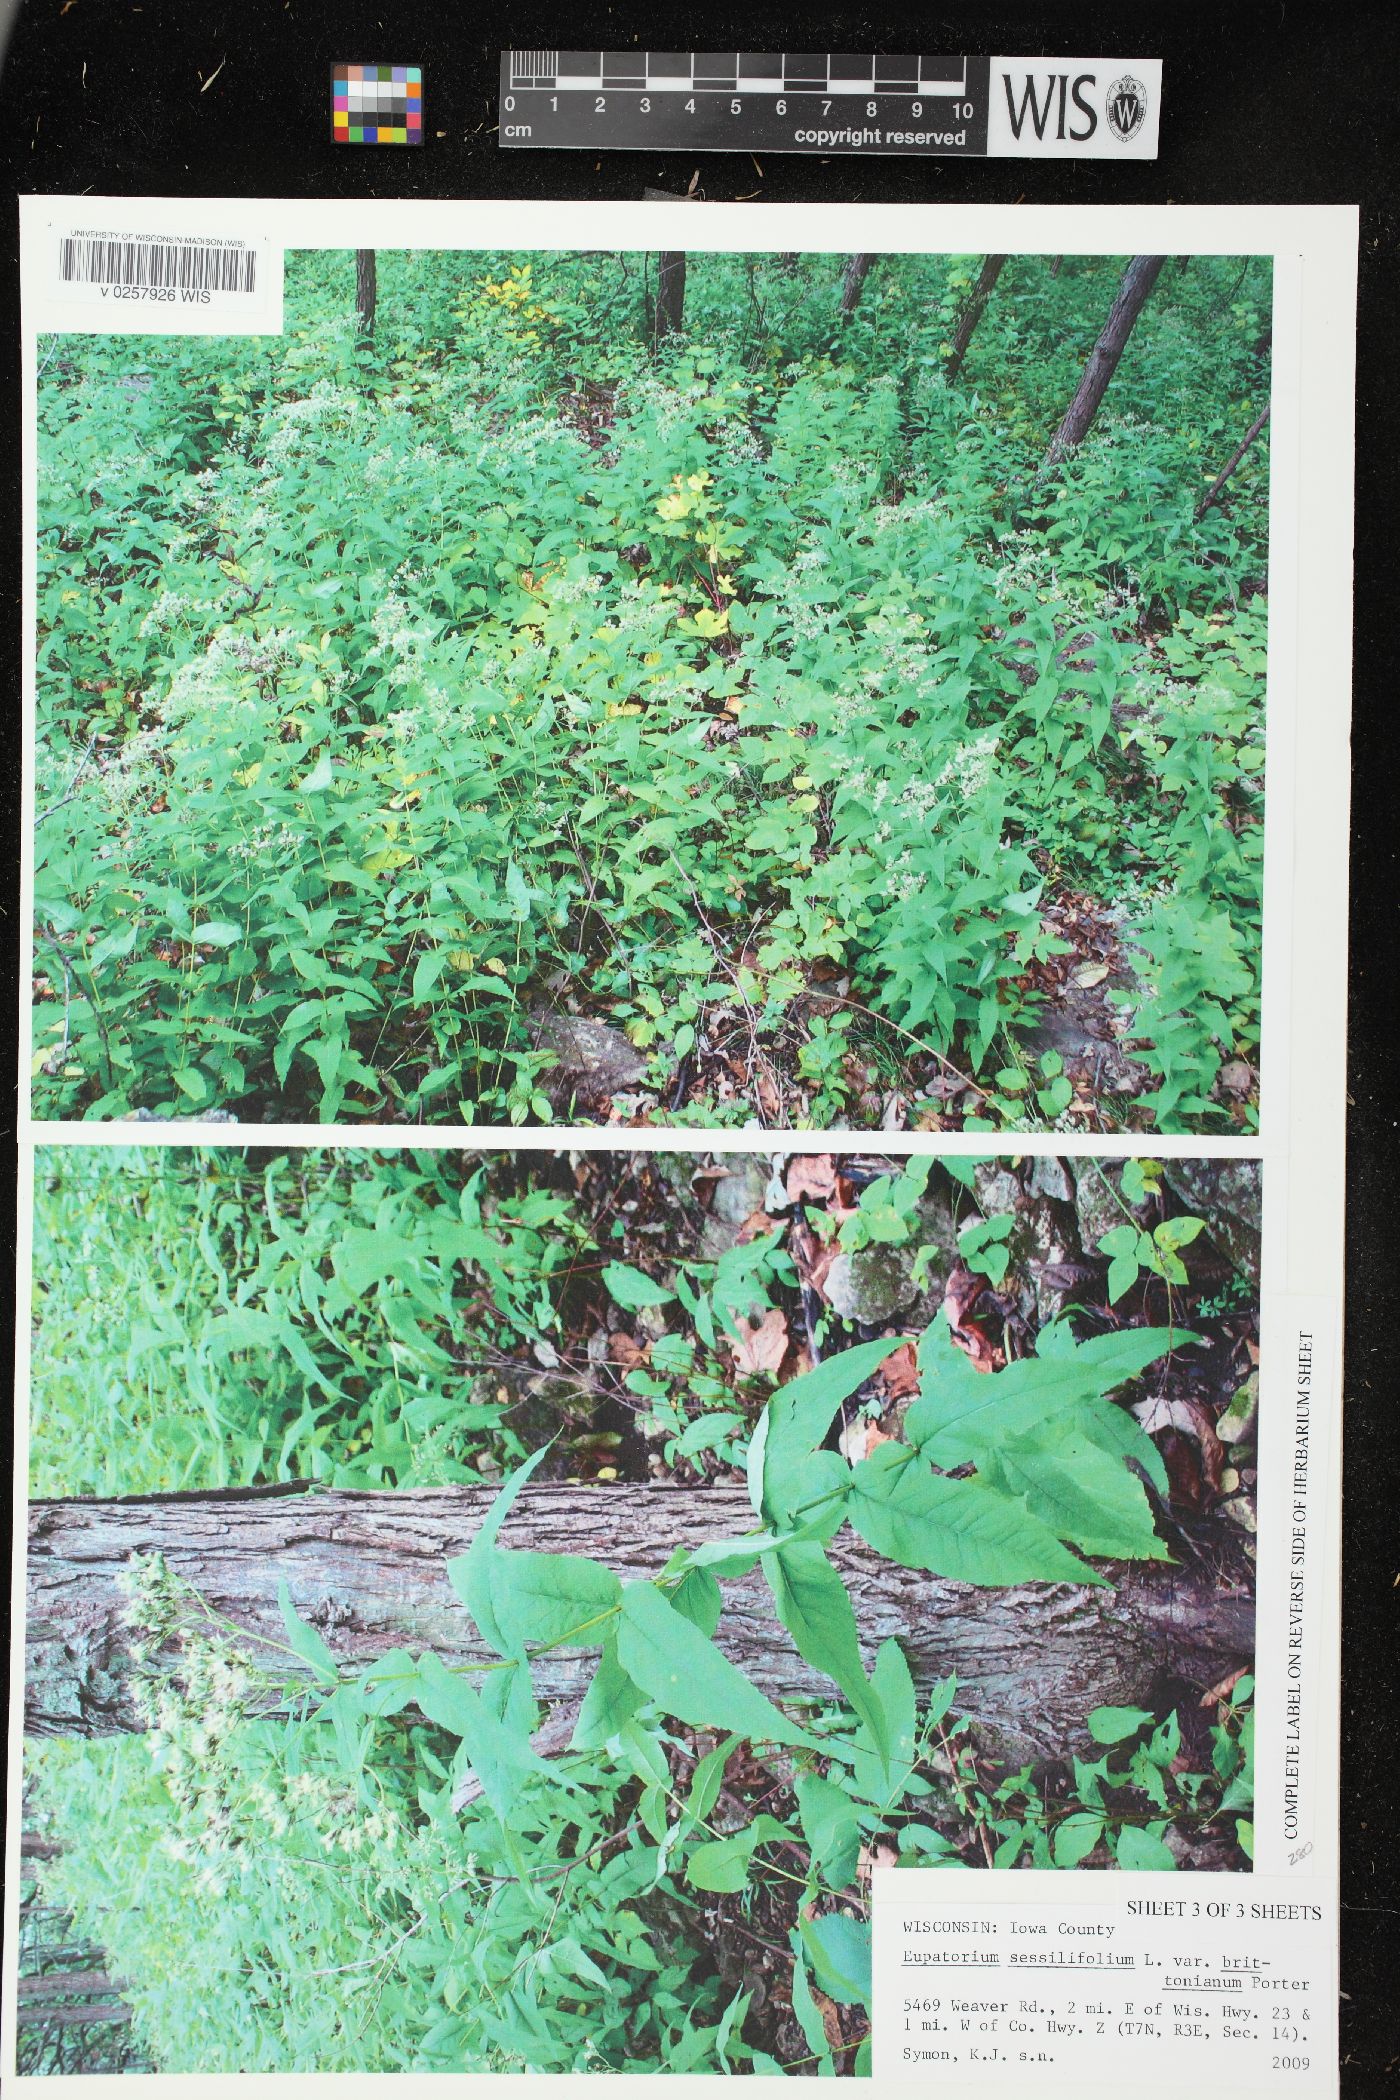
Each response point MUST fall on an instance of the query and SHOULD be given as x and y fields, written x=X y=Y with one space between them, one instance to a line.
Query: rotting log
x=368 y=1569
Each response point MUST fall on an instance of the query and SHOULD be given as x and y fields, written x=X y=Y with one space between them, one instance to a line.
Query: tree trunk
x=367 y=1569
x=1212 y=494
x=1138 y=280
x=366 y=288
x=66 y=1983
x=670 y=294
x=973 y=311
x=853 y=283
x=108 y=2014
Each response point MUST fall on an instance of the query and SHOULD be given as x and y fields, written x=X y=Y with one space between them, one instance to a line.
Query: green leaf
x=1082 y=1493
x=364 y=1255
x=217 y=933
x=426 y=972
x=805 y=2010
x=320 y=776
x=608 y=1704
x=674 y=1664
x=632 y=1290
x=501 y=1760
x=1076 y=1838
x=961 y=1414
x=814 y=1607
x=305 y=1640
x=839 y=1949
x=1139 y=1851
x=963 y=1530
x=831 y=1825
x=560 y=1599
x=722 y=1866
x=708 y=1778
x=799 y=1416
x=390 y=1684
x=470 y=1572
x=1114 y=1724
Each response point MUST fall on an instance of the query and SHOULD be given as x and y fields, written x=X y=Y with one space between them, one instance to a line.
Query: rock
x=1237 y=1424
x=1097 y=1209
x=737 y=1195
x=873 y=1284
x=1225 y=1192
x=592 y=1061
x=1045 y=1234
x=1049 y=1177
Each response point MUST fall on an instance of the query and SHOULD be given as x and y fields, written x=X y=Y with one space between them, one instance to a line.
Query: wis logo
x=1067 y=108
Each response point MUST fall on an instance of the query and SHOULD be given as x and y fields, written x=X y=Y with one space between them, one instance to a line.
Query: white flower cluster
x=970 y=768
x=266 y=842
x=218 y=681
x=296 y=426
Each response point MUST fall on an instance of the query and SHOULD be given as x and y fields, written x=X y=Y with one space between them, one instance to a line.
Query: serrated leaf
x=677 y=1666
x=813 y=1605
x=560 y=1599
x=964 y=1530
x=839 y=1950
x=470 y=1573
x=799 y=1416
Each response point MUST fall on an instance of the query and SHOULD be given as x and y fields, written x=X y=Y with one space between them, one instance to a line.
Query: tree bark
x=66 y=1983
x=853 y=283
x=973 y=312
x=1138 y=279
x=368 y=1570
x=366 y=288
x=1212 y=494
x=670 y=294
x=108 y=2014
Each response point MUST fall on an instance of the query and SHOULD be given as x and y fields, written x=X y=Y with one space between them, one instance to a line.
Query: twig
x=72 y=787
x=1212 y=494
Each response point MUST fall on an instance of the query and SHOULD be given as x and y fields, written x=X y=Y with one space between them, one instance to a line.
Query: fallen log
x=368 y=1570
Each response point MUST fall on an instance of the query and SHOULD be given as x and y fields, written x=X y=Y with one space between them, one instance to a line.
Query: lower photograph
x=493 y=1611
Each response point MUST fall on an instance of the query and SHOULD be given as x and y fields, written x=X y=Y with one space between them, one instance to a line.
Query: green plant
x=673 y=685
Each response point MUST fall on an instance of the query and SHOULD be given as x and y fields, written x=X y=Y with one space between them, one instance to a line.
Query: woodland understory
x=494 y=1611
x=759 y=690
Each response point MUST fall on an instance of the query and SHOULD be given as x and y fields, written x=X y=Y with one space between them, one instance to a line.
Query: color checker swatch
x=377 y=105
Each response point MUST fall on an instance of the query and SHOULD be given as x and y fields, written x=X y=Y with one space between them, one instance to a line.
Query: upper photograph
x=798 y=691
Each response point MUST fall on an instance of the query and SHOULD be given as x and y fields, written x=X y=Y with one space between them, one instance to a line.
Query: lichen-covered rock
x=1238 y=1423
x=737 y=1195
x=1225 y=1192
x=872 y=1285
x=592 y=1061
x=1097 y=1208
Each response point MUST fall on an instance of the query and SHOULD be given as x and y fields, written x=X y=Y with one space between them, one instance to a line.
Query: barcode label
x=157 y=265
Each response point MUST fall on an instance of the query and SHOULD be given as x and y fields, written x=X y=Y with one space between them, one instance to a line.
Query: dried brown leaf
x=761 y=1345
x=811 y=1174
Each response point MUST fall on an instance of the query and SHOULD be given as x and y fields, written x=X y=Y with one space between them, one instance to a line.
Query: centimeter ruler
x=831 y=102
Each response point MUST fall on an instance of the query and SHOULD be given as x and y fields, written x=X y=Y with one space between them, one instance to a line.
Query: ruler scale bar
x=831 y=102
x=754 y=73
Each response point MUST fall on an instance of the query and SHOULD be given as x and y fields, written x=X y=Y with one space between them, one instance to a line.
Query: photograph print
x=778 y=690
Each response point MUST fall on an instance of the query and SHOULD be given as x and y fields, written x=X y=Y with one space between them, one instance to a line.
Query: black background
x=1261 y=104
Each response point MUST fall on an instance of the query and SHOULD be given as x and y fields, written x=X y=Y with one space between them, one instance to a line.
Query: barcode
x=157 y=263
